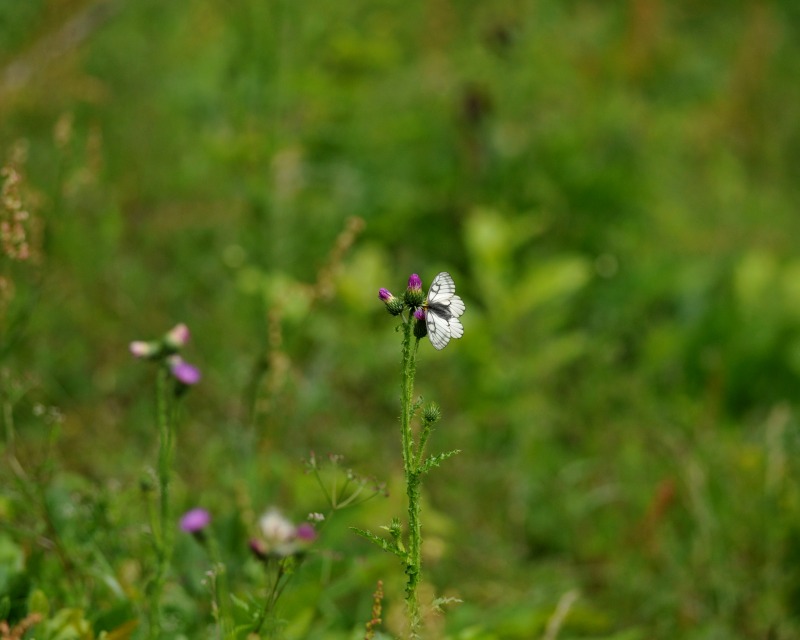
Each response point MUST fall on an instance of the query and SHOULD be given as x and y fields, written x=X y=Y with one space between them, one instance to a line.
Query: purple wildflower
x=420 y=326
x=195 y=520
x=183 y=371
x=414 y=297
x=385 y=295
x=306 y=532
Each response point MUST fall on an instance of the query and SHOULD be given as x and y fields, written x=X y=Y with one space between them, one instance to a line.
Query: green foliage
x=614 y=187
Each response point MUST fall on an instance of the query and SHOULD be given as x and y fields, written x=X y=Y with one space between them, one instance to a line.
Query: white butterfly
x=442 y=310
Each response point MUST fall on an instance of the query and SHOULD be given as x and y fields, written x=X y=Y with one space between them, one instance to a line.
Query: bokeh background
x=615 y=188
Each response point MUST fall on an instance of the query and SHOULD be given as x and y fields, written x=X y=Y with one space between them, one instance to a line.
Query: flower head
x=385 y=295
x=195 y=520
x=420 y=326
x=145 y=350
x=306 y=532
x=177 y=337
x=431 y=413
x=184 y=372
x=414 y=297
x=279 y=537
x=393 y=305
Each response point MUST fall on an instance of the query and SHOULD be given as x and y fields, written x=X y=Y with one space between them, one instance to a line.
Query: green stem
x=163 y=534
x=222 y=589
x=411 y=469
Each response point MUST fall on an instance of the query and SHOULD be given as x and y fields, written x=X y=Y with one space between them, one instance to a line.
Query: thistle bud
x=195 y=522
x=431 y=413
x=393 y=305
x=145 y=350
x=184 y=372
x=413 y=296
x=177 y=337
x=420 y=326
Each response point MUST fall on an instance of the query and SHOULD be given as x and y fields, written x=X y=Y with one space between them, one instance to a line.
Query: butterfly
x=442 y=311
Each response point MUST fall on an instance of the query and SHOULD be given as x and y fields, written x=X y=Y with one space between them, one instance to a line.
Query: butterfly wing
x=438 y=329
x=444 y=308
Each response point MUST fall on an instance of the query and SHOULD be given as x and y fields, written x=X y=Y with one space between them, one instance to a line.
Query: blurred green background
x=614 y=187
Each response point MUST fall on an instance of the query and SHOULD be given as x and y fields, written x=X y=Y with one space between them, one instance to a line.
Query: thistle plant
x=436 y=316
x=281 y=547
x=174 y=377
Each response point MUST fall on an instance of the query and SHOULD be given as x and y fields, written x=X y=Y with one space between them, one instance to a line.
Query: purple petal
x=184 y=372
x=419 y=314
x=414 y=282
x=385 y=295
x=195 y=520
x=306 y=532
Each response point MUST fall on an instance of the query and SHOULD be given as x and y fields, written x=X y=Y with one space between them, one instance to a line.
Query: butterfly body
x=443 y=308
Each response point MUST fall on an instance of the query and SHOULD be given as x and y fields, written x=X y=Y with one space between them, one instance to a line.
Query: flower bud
x=177 y=337
x=184 y=372
x=431 y=413
x=393 y=305
x=194 y=522
x=420 y=326
x=414 y=297
x=145 y=350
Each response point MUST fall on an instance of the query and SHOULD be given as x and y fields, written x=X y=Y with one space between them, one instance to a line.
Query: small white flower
x=276 y=529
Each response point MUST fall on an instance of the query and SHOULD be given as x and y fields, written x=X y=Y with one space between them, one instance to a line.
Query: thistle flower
x=195 y=520
x=177 y=337
x=414 y=297
x=393 y=305
x=279 y=537
x=306 y=532
x=144 y=350
x=420 y=326
x=184 y=372
x=385 y=295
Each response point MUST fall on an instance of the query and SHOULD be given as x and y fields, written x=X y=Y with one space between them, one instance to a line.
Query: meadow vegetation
x=614 y=187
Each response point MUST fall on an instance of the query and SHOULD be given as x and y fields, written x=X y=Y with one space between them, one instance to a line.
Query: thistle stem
x=413 y=479
x=163 y=535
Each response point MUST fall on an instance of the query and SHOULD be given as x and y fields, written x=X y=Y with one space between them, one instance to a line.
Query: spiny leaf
x=383 y=543
x=438 y=603
x=435 y=461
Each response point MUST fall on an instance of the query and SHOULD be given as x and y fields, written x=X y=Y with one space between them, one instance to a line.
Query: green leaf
x=435 y=461
x=439 y=603
x=383 y=543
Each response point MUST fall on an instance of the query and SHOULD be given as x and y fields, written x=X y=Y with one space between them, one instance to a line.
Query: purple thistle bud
x=420 y=326
x=413 y=297
x=183 y=371
x=177 y=337
x=306 y=532
x=393 y=305
x=195 y=520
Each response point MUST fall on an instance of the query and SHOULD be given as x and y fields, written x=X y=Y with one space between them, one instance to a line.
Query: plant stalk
x=413 y=479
